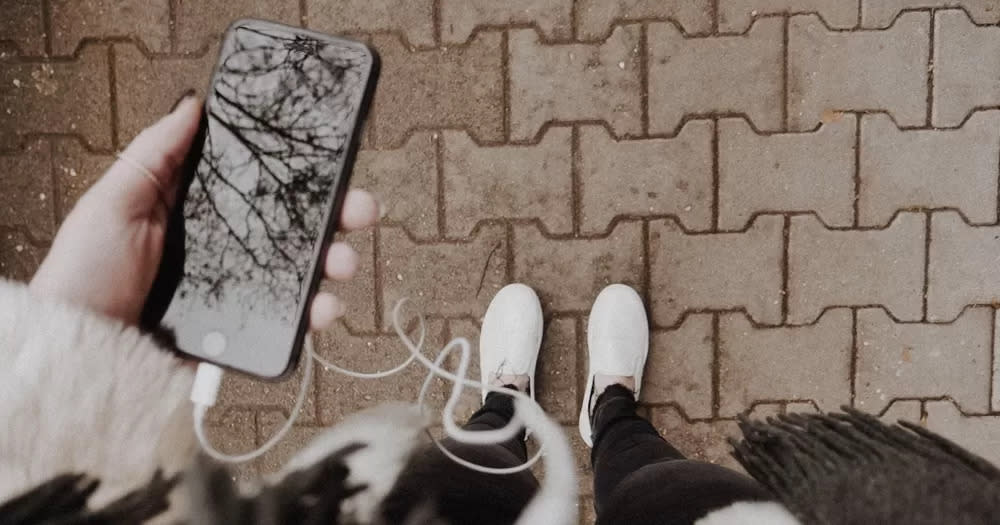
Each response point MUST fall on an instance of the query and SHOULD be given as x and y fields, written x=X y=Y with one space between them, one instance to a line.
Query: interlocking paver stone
x=679 y=367
x=884 y=70
x=905 y=169
x=297 y=438
x=69 y=97
x=995 y=402
x=906 y=410
x=664 y=176
x=979 y=434
x=198 y=23
x=556 y=375
x=962 y=266
x=405 y=180
x=19 y=258
x=702 y=440
x=595 y=18
x=735 y=16
x=22 y=25
x=799 y=362
x=454 y=87
x=897 y=360
x=569 y=82
x=147 y=88
x=412 y=18
x=474 y=270
x=882 y=13
x=700 y=75
x=594 y=263
x=241 y=392
x=460 y=17
x=856 y=267
x=508 y=181
x=145 y=20
x=27 y=196
x=786 y=172
x=236 y=433
x=965 y=75
x=74 y=170
x=340 y=396
x=722 y=271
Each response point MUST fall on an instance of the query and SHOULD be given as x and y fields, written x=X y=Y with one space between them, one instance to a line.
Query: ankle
x=603 y=382
x=521 y=383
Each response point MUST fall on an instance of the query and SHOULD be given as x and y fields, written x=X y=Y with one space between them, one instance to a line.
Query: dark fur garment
x=851 y=469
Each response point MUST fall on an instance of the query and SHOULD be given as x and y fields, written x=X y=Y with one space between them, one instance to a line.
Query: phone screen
x=282 y=115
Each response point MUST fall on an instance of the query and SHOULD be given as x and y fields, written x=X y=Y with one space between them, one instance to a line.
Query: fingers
x=157 y=151
x=341 y=262
x=326 y=308
x=361 y=210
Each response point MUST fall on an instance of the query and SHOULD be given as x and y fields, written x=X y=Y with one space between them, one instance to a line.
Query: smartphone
x=262 y=196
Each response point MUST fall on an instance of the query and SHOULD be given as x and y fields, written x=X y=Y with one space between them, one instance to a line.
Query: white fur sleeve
x=83 y=393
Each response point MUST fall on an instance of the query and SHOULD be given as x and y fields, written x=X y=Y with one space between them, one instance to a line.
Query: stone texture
x=405 y=181
x=455 y=87
x=236 y=433
x=995 y=402
x=199 y=24
x=907 y=169
x=340 y=395
x=507 y=181
x=883 y=70
x=664 y=176
x=735 y=16
x=961 y=270
x=856 y=267
x=722 y=271
x=905 y=410
x=786 y=172
x=593 y=263
x=966 y=76
x=679 y=367
x=790 y=362
x=359 y=293
x=412 y=18
x=27 y=198
x=57 y=97
x=700 y=75
x=701 y=440
x=295 y=440
x=19 y=258
x=147 y=21
x=595 y=18
x=74 y=170
x=556 y=373
x=240 y=392
x=908 y=360
x=21 y=24
x=570 y=82
x=460 y=17
x=979 y=434
x=882 y=13
x=148 y=87
x=474 y=270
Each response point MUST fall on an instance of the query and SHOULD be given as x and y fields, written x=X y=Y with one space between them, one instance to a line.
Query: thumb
x=148 y=171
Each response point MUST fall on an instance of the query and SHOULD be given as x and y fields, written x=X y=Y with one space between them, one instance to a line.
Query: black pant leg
x=459 y=495
x=640 y=479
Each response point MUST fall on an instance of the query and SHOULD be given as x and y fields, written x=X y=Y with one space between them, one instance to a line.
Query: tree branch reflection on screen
x=280 y=120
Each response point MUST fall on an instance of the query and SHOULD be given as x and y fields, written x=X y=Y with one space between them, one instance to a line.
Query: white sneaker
x=618 y=343
x=511 y=335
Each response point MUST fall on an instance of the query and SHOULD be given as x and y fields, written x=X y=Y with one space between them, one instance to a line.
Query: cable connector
x=207 y=382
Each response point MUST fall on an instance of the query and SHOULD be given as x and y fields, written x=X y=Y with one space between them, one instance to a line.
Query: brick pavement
x=804 y=191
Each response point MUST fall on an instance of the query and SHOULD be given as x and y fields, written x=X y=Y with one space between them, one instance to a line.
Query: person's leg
x=508 y=350
x=639 y=478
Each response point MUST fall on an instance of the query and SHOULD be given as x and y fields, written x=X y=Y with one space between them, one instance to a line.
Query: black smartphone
x=263 y=194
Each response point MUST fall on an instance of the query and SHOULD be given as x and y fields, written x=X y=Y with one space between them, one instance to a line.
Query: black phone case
x=171 y=268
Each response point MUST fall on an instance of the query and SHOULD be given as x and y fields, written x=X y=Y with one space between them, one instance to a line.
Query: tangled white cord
x=527 y=412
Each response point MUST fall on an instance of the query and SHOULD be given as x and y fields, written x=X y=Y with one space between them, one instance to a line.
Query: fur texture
x=84 y=393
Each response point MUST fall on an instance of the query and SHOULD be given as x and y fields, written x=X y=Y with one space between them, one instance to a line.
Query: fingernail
x=186 y=95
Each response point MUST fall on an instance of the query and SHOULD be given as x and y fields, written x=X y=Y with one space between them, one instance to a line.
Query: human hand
x=107 y=251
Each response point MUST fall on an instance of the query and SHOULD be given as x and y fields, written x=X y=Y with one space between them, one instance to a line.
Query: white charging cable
x=209 y=379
